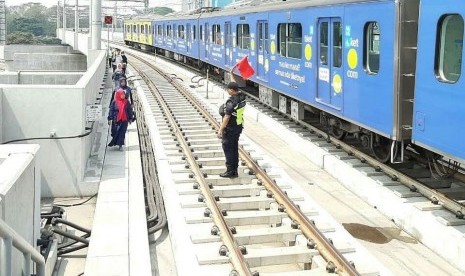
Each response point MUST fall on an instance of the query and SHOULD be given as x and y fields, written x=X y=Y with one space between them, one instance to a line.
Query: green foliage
x=27 y=22
x=160 y=10
x=21 y=38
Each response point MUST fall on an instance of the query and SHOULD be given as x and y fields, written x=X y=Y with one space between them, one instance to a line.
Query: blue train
x=386 y=71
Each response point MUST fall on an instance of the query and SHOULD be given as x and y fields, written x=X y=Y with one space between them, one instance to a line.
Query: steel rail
x=236 y=257
x=325 y=247
x=436 y=197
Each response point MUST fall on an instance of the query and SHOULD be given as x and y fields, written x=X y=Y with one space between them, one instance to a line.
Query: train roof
x=254 y=6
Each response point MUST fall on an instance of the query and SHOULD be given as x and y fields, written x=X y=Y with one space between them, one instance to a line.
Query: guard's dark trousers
x=230 y=144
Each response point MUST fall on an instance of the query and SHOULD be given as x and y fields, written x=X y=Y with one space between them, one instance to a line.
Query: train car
x=356 y=70
x=439 y=105
x=127 y=31
x=352 y=62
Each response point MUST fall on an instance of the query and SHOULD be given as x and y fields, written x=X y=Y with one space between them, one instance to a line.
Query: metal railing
x=9 y=239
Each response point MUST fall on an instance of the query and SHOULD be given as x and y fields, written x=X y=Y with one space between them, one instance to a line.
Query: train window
x=324 y=42
x=134 y=29
x=160 y=30
x=216 y=35
x=448 y=63
x=290 y=40
x=148 y=30
x=142 y=29
x=194 y=33
x=169 y=31
x=181 y=32
x=201 y=32
x=337 y=44
x=263 y=36
x=371 y=48
x=243 y=36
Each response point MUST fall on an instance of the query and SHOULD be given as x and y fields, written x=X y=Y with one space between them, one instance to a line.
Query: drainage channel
x=250 y=225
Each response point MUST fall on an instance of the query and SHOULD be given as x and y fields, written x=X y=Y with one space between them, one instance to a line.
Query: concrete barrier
x=20 y=194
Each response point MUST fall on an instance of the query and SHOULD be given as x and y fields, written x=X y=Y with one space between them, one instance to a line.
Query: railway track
x=418 y=177
x=250 y=225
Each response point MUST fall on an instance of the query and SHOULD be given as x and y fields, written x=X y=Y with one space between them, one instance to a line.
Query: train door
x=228 y=44
x=207 y=41
x=187 y=32
x=329 y=90
x=262 y=50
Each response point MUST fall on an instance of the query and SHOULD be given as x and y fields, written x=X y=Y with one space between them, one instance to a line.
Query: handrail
x=8 y=239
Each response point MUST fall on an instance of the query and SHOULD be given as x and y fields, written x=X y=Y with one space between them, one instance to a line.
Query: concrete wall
x=48 y=62
x=31 y=111
x=20 y=194
x=56 y=78
x=7 y=52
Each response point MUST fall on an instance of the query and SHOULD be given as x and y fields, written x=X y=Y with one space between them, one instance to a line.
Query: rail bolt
x=233 y=273
x=201 y=198
x=233 y=230
x=413 y=189
x=294 y=225
x=187 y=166
x=191 y=175
x=459 y=215
x=205 y=175
x=311 y=244
x=217 y=198
x=434 y=200
x=195 y=186
x=243 y=163
x=281 y=208
x=269 y=194
x=352 y=263
x=183 y=158
x=207 y=213
x=259 y=183
x=330 y=267
x=215 y=230
x=243 y=249
x=210 y=185
x=223 y=250
x=251 y=172
x=255 y=273
x=200 y=165
x=224 y=212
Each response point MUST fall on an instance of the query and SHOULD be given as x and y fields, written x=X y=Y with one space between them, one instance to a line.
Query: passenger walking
x=231 y=127
x=118 y=74
x=127 y=91
x=110 y=58
x=119 y=117
x=113 y=60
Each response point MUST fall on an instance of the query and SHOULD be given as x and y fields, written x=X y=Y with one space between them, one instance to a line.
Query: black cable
x=71 y=236
x=72 y=242
x=69 y=250
x=69 y=223
x=76 y=204
x=52 y=138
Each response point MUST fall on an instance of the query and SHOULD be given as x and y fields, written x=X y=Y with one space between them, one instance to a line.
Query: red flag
x=244 y=68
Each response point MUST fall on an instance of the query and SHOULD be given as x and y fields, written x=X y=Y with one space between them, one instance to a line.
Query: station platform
x=119 y=244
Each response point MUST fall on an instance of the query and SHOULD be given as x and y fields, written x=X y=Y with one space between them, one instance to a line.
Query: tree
x=31 y=18
x=21 y=38
x=160 y=10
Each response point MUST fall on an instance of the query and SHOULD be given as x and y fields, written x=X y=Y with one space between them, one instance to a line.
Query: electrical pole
x=63 y=39
x=96 y=24
x=2 y=22
x=76 y=26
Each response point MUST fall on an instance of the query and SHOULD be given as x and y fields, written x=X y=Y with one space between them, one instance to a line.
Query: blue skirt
x=118 y=132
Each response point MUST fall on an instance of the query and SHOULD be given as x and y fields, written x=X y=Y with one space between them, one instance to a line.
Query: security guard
x=231 y=127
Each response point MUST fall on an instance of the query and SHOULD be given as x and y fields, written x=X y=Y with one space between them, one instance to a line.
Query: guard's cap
x=233 y=85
